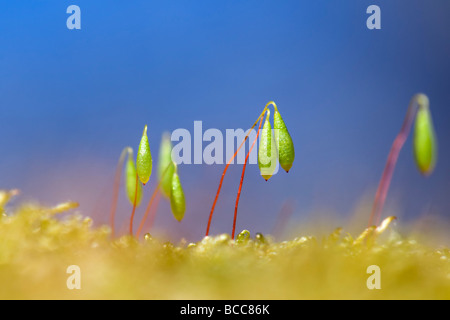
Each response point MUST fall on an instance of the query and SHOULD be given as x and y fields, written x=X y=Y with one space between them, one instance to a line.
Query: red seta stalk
x=116 y=186
x=242 y=180
x=220 y=187
x=386 y=177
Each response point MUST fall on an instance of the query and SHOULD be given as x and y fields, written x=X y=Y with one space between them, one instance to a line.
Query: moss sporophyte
x=272 y=149
x=169 y=181
x=169 y=185
x=424 y=145
x=268 y=156
x=134 y=175
x=143 y=170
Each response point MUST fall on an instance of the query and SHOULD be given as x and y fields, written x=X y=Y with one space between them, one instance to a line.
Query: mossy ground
x=37 y=246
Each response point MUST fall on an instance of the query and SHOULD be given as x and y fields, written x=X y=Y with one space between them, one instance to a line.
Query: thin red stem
x=116 y=186
x=386 y=177
x=134 y=205
x=242 y=180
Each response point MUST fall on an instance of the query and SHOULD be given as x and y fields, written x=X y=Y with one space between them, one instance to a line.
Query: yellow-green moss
x=36 y=247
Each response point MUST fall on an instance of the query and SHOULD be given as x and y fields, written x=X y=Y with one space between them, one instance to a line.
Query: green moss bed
x=37 y=246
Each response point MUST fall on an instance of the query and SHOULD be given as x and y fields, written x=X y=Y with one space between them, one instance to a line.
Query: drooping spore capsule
x=286 y=153
x=267 y=153
x=425 y=144
x=177 y=199
x=130 y=181
x=165 y=165
x=144 y=159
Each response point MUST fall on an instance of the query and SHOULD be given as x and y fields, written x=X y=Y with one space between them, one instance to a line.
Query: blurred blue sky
x=72 y=99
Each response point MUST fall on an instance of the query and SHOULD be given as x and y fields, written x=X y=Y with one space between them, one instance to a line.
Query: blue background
x=72 y=99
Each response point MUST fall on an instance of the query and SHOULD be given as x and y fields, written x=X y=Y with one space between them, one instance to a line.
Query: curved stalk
x=397 y=145
x=229 y=162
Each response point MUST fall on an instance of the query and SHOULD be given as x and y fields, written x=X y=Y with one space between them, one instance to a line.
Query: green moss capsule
x=165 y=165
x=425 y=144
x=177 y=200
x=267 y=153
x=130 y=181
x=144 y=159
x=286 y=153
